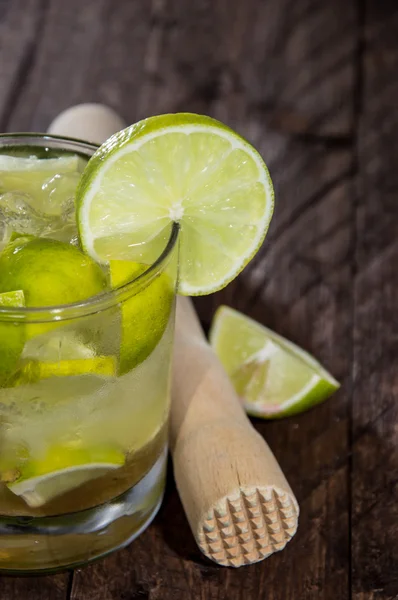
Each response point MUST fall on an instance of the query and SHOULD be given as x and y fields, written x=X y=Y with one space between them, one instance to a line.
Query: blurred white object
x=90 y=122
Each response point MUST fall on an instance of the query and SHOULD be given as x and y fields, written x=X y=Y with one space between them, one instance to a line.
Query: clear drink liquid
x=83 y=414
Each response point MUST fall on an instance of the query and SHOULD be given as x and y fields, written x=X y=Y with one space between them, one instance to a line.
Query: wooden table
x=314 y=86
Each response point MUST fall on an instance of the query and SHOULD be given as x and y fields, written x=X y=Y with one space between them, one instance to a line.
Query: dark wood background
x=314 y=85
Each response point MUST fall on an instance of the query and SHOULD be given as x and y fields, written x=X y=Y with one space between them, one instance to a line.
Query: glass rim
x=99 y=302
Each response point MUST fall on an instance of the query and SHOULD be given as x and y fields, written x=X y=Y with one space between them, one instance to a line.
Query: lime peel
x=273 y=377
x=144 y=316
x=61 y=470
x=197 y=171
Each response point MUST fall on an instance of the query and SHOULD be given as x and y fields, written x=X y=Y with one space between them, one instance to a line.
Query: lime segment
x=49 y=272
x=273 y=377
x=16 y=298
x=61 y=469
x=144 y=315
x=33 y=371
x=184 y=168
x=12 y=336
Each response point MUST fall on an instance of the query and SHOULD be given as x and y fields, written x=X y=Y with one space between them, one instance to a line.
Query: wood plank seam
x=358 y=96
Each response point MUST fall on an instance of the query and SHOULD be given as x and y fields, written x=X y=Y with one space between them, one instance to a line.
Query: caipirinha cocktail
x=91 y=257
x=85 y=352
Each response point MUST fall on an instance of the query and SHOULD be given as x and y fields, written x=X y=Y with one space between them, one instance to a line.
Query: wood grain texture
x=51 y=587
x=239 y=505
x=20 y=28
x=375 y=411
x=306 y=295
x=313 y=85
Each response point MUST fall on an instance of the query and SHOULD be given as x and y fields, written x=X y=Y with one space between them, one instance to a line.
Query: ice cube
x=68 y=211
x=58 y=189
x=63 y=227
x=17 y=214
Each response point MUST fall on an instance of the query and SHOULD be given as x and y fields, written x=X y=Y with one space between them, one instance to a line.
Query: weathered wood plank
x=285 y=63
x=375 y=413
x=282 y=73
x=50 y=587
x=88 y=52
x=20 y=30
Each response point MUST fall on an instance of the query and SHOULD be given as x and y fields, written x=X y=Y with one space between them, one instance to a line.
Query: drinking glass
x=83 y=418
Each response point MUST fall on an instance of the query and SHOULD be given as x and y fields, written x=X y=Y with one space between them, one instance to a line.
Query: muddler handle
x=237 y=500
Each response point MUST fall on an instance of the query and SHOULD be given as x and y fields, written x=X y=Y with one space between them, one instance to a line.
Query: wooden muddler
x=237 y=500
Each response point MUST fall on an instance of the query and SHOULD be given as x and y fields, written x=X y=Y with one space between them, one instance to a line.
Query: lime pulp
x=183 y=168
x=272 y=376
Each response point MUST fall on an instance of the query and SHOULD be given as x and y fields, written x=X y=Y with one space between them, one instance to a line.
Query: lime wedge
x=144 y=316
x=32 y=371
x=63 y=468
x=272 y=376
x=49 y=272
x=12 y=336
x=185 y=168
x=16 y=298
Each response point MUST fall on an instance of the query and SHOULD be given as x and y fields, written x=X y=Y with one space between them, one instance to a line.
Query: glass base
x=48 y=544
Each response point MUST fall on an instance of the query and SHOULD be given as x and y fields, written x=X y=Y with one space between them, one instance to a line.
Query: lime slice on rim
x=272 y=376
x=62 y=469
x=185 y=168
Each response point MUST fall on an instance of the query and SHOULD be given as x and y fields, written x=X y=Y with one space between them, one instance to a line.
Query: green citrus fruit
x=144 y=315
x=272 y=376
x=61 y=469
x=182 y=168
x=12 y=336
x=49 y=272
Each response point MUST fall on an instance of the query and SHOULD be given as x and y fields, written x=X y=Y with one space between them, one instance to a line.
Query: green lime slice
x=47 y=182
x=49 y=272
x=273 y=377
x=144 y=316
x=16 y=298
x=12 y=336
x=186 y=168
x=32 y=371
x=60 y=470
